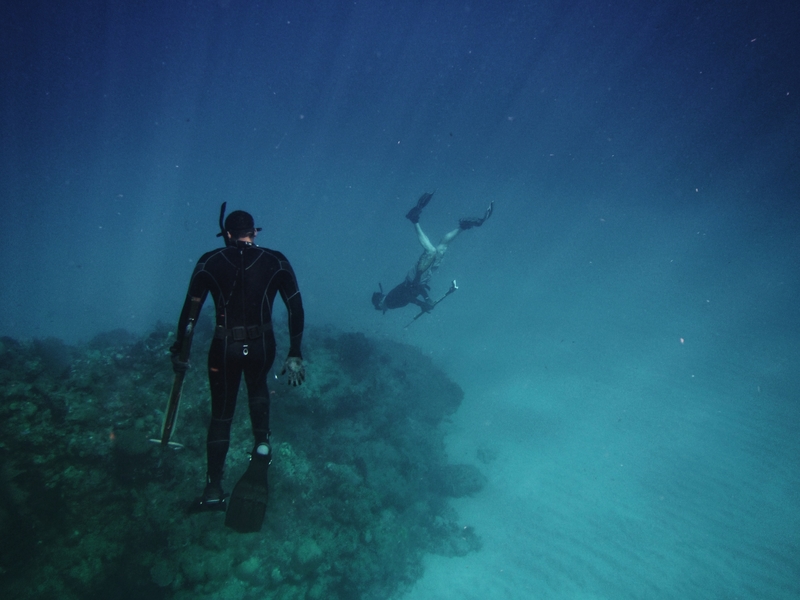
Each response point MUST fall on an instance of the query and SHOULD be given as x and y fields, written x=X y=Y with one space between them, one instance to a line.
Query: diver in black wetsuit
x=414 y=289
x=243 y=280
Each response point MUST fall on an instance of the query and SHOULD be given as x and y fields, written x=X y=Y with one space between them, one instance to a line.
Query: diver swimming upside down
x=414 y=288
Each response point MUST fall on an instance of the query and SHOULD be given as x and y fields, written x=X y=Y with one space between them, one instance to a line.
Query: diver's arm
x=426 y=304
x=198 y=288
x=290 y=294
x=195 y=298
x=296 y=315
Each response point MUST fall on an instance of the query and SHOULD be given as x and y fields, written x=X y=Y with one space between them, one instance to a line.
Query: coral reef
x=359 y=484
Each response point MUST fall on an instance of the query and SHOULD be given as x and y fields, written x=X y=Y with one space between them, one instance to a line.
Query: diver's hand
x=295 y=369
x=178 y=366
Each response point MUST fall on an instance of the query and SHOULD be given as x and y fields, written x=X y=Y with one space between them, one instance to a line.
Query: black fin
x=248 y=502
x=471 y=222
x=414 y=214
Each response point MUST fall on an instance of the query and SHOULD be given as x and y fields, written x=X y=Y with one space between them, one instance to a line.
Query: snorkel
x=228 y=242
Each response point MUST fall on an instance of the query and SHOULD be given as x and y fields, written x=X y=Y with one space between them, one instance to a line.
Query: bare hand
x=295 y=369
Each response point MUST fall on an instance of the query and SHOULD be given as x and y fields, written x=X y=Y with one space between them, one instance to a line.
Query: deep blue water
x=626 y=325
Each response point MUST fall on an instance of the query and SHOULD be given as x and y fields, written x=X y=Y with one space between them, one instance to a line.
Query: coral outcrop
x=359 y=484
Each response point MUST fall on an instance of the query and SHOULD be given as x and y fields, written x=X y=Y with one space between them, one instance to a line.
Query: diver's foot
x=414 y=214
x=212 y=500
x=471 y=222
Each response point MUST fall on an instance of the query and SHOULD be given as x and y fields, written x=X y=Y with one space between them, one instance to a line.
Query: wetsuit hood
x=236 y=223
x=240 y=220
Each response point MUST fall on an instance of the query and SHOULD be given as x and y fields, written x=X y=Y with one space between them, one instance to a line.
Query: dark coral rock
x=112 y=339
x=359 y=482
x=354 y=351
x=55 y=356
x=458 y=480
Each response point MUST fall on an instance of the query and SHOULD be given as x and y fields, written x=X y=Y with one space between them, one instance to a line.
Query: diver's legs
x=224 y=375
x=448 y=237
x=258 y=364
x=423 y=239
x=428 y=256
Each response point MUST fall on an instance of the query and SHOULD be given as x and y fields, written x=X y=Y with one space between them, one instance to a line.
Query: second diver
x=414 y=288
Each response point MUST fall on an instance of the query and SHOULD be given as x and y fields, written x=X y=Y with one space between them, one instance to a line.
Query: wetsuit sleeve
x=290 y=294
x=197 y=289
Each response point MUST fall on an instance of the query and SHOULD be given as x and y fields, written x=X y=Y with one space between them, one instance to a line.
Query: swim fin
x=414 y=214
x=247 y=504
x=471 y=222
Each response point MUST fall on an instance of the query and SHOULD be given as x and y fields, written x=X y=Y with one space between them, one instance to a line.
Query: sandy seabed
x=654 y=481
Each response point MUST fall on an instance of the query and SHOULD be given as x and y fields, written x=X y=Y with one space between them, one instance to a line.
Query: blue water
x=626 y=323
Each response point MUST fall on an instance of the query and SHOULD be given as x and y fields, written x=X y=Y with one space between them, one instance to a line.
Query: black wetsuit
x=413 y=289
x=408 y=292
x=243 y=280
